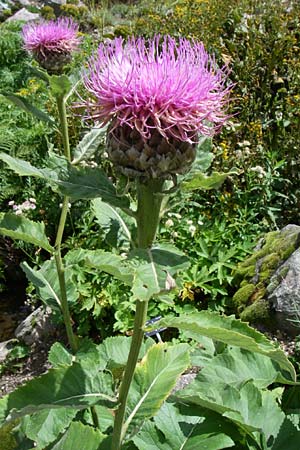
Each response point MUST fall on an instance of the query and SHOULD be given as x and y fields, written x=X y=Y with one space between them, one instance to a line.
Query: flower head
x=51 y=42
x=176 y=89
x=158 y=96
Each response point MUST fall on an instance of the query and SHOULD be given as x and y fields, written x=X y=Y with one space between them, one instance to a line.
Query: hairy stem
x=147 y=217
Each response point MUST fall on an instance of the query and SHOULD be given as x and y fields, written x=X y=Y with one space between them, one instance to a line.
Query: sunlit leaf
x=154 y=378
x=230 y=331
x=19 y=227
x=88 y=145
x=80 y=436
x=72 y=387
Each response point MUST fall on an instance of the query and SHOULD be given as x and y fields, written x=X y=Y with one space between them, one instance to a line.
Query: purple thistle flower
x=52 y=42
x=176 y=89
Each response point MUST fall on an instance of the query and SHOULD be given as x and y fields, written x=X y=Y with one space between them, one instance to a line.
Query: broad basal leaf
x=230 y=331
x=81 y=437
x=249 y=407
x=155 y=377
x=173 y=430
x=66 y=387
x=44 y=427
x=88 y=145
x=236 y=366
x=19 y=227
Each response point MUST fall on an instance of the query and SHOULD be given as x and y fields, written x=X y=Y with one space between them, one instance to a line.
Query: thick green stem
x=137 y=339
x=149 y=205
x=148 y=213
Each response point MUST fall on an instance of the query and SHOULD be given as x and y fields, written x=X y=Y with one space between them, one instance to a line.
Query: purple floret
x=157 y=84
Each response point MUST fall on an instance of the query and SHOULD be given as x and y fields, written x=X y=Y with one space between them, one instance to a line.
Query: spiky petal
x=158 y=84
x=51 y=42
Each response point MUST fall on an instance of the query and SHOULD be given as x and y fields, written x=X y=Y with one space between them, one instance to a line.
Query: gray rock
x=5 y=348
x=35 y=327
x=24 y=2
x=283 y=293
x=23 y=15
x=55 y=4
x=269 y=282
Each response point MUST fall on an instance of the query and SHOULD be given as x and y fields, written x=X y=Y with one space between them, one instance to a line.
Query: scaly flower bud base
x=154 y=158
x=53 y=62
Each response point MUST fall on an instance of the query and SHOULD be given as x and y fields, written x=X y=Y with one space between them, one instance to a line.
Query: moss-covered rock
x=258 y=312
x=242 y=296
x=252 y=276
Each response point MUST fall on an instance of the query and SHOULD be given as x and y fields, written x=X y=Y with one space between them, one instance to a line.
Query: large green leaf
x=19 y=227
x=109 y=262
x=235 y=366
x=81 y=437
x=173 y=430
x=89 y=183
x=205 y=182
x=230 y=331
x=289 y=434
x=44 y=427
x=112 y=221
x=154 y=269
x=154 y=378
x=24 y=168
x=147 y=271
x=24 y=104
x=249 y=407
x=115 y=350
x=72 y=387
x=46 y=282
x=88 y=145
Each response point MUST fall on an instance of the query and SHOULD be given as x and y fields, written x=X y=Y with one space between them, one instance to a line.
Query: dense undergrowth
x=260 y=43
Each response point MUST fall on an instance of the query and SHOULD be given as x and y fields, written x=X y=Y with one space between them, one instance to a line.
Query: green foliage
x=230 y=402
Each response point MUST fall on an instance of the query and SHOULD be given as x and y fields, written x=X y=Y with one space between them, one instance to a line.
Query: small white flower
x=11 y=202
x=189 y=222
x=18 y=212
x=169 y=223
x=174 y=234
x=192 y=230
x=32 y=200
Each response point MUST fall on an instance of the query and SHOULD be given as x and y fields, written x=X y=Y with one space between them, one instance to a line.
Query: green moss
x=259 y=293
x=242 y=296
x=7 y=440
x=47 y=12
x=259 y=311
x=270 y=261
